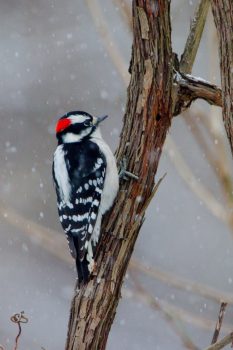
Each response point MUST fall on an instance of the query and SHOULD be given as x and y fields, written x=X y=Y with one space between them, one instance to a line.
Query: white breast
x=61 y=174
x=111 y=183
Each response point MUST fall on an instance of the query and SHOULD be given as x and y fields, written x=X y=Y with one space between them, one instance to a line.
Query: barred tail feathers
x=82 y=270
x=85 y=261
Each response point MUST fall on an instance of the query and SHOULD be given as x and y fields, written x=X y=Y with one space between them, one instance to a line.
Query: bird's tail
x=81 y=263
x=82 y=270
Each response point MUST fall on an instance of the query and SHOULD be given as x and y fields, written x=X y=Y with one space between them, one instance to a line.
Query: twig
x=19 y=318
x=155 y=189
x=17 y=338
x=228 y=339
x=219 y=322
x=194 y=38
x=190 y=88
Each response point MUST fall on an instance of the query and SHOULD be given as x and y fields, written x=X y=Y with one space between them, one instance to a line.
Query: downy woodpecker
x=86 y=182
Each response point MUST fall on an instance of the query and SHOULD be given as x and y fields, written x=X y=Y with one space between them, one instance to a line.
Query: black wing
x=86 y=168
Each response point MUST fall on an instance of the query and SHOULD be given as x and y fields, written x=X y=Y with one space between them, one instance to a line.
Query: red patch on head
x=62 y=124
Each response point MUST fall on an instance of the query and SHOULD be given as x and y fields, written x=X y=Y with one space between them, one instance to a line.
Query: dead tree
x=159 y=89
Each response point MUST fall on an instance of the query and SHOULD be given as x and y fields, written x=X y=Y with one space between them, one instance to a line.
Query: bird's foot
x=123 y=173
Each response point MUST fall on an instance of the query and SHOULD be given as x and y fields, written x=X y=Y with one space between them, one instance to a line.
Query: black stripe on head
x=77 y=113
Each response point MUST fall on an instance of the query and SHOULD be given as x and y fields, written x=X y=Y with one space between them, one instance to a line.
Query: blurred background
x=59 y=56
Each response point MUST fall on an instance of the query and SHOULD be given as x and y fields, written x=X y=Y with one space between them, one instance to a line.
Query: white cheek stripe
x=69 y=137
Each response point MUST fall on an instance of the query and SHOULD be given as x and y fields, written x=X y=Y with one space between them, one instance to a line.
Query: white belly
x=111 y=183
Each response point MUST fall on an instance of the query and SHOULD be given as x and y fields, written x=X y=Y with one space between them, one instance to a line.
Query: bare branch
x=219 y=322
x=191 y=88
x=18 y=318
x=194 y=38
x=228 y=339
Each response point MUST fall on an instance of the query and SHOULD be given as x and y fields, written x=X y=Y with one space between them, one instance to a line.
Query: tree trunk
x=147 y=119
x=223 y=17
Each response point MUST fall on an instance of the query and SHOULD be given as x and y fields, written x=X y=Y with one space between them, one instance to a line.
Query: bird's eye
x=88 y=123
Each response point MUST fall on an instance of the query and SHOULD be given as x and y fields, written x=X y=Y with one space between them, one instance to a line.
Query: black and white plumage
x=86 y=182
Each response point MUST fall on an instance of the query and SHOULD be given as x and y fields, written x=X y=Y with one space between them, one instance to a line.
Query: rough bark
x=146 y=122
x=223 y=17
x=190 y=89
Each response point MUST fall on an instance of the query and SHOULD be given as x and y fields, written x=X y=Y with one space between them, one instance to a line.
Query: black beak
x=100 y=119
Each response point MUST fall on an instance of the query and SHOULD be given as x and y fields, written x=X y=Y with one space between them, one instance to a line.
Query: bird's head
x=76 y=126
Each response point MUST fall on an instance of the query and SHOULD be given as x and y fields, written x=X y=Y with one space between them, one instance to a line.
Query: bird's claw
x=123 y=173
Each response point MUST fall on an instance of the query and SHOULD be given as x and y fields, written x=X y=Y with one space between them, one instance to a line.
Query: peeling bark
x=189 y=89
x=223 y=17
x=147 y=119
